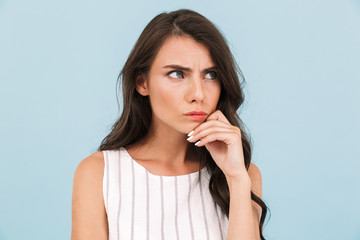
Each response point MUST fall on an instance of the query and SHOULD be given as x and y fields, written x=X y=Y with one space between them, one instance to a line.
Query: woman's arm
x=224 y=142
x=89 y=219
x=244 y=214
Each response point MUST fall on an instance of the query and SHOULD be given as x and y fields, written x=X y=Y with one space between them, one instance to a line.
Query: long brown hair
x=135 y=120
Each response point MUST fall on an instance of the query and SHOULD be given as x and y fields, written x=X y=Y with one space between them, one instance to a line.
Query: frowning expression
x=182 y=78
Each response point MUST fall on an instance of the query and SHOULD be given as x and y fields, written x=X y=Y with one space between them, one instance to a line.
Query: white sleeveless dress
x=144 y=206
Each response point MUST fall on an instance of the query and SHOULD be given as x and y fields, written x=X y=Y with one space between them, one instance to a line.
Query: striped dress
x=144 y=206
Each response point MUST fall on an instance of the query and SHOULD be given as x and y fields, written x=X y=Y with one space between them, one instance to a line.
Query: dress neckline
x=138 y=165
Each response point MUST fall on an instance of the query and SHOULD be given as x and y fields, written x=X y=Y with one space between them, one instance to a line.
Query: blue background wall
x=59 y=61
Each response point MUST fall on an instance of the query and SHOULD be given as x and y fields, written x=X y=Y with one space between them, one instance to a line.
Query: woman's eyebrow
x=178 y=67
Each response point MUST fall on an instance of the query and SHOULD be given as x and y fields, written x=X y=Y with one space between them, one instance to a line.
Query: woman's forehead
x=183 y=51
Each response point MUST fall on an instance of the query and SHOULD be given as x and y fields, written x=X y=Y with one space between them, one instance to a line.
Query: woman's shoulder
x=90 y=170
x=256 y=179
x=94 y=163
x=88 y=210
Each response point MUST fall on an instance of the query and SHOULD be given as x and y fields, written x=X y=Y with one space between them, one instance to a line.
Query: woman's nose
x=196 y=91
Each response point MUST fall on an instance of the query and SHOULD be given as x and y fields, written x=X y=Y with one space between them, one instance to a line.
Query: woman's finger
x=218 y=115
x=227 y=137
x=212 y=123
x=206 y=131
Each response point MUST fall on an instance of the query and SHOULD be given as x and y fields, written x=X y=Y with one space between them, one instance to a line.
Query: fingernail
x=189 y=138
x=197 y=142
x=190 y=133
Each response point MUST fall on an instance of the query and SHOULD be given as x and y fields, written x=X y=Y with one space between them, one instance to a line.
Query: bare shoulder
x=93 y=163
x=89 y=173
x=256 y=179
x=89 y=220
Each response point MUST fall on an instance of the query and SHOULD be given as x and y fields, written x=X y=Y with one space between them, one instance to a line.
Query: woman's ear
x=141 y=85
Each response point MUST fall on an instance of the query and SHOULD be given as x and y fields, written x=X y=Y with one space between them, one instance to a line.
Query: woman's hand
x=223 y=141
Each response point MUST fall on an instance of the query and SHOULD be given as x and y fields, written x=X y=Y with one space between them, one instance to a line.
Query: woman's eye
x=179 y=74
x=176 y=74
x=213 y=75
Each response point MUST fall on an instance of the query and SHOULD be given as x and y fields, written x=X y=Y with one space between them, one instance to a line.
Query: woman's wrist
x=240 y=181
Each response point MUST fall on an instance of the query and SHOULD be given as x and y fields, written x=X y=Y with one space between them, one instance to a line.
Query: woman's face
x=181 y=79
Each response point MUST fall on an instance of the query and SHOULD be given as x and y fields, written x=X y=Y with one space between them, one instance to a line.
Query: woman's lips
x=197 y=116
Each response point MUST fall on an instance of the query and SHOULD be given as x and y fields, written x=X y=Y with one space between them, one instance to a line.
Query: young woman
x=176 y=164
